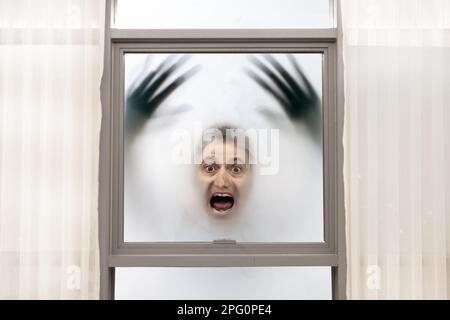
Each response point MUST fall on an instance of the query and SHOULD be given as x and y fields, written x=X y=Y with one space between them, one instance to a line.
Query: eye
x=210 y=169
x=236 y=170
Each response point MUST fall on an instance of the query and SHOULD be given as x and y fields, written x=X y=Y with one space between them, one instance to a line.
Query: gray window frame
x=114 y=252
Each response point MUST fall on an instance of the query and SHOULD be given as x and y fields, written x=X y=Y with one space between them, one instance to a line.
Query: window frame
x=114 y=252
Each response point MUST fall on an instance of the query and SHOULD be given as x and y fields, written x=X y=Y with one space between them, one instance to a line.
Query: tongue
x=222 y=204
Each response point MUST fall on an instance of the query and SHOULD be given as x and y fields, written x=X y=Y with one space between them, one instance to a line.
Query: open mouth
x=222 y=202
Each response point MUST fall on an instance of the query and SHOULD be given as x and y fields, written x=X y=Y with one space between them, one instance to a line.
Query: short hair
x=237 y=136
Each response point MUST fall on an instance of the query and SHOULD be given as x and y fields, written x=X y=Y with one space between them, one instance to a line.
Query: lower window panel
x=237 y=283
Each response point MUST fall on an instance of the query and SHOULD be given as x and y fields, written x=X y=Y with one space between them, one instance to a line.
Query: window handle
x=224 y=241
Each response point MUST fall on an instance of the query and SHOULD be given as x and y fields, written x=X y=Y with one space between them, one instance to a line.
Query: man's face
x=224 y=174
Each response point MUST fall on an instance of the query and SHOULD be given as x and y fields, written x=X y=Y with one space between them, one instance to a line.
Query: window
x=206 y=14
x=243 y=283
x=220 y=152
x=167 y=147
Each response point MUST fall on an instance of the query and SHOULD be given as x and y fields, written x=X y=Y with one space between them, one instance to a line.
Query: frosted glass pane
x=164 y=14
x=286 y=283
x=259 y=182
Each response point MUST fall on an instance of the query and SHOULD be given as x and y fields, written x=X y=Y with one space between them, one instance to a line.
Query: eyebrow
x=212 y=160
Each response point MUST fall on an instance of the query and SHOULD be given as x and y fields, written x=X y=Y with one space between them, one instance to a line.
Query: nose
x=222 y=179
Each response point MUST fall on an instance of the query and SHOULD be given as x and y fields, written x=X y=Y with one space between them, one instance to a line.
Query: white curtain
x=397 y=148
x=51 y=59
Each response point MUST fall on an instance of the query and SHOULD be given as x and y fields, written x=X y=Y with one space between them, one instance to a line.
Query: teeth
x=222 y=195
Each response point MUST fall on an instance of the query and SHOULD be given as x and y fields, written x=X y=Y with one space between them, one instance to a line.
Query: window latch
x=224 y=241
